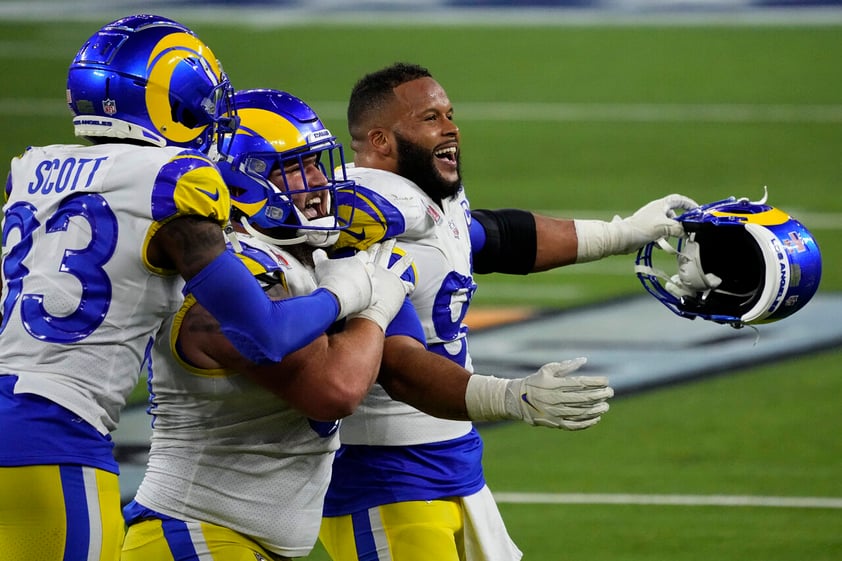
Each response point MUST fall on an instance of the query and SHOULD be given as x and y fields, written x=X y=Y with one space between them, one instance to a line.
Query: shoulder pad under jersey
x=385 y=205
x=190 y=184
x=268 y=263
x=259 y=257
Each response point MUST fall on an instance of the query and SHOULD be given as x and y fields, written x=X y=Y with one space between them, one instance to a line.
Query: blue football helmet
x=280 y=133
x=149 y=79
x=739 y=263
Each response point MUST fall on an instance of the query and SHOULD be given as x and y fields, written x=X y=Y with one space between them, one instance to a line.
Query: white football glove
x=598 y=239
x=547 y=398
x=390 y=290
x=350 y=279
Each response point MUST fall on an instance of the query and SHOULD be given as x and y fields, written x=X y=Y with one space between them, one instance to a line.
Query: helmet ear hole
x=182 y=115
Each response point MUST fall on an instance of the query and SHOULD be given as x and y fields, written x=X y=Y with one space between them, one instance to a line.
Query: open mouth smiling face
x=307 y=188
x=314 y=205
x=422 y=122
x=447 y=161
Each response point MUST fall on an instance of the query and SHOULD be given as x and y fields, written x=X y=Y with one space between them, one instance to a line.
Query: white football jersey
x=438 y=239
x=80 y=302
x=226 y=451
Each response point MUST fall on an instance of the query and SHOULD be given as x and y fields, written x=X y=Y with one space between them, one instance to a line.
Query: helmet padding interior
x=732 y=254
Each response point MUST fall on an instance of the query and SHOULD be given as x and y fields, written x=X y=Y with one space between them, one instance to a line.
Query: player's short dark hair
x=374 y=90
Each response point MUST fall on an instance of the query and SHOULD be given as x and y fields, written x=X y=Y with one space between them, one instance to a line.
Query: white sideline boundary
x=676 y=500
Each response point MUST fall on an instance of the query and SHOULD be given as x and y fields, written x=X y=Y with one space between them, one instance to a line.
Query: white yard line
x=830 y=114
x=629 y=112
x=343 y=13
x=680 y=500
x=651 y=112
x=813 y=219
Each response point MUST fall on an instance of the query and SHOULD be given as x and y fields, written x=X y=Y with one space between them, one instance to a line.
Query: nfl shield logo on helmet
x=109 y=106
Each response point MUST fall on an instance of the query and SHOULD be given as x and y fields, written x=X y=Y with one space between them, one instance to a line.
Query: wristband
x=486 y=399
x=593 y=240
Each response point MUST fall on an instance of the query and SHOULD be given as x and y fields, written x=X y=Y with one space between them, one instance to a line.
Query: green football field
x=589 y=121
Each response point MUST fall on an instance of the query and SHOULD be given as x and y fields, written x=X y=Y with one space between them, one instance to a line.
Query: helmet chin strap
x=231 y=236
x=324 y=236
x=318 y=232
x=690 y=273
x=319 y=238
x=690 y=279
x=314 y=238
x=765 y=196
x=269 y=239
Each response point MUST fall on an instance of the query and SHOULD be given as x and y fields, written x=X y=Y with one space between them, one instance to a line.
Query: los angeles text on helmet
x=785 y=276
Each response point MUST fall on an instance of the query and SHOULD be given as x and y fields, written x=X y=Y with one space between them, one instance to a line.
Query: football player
x=235 y=471
x=408 y=486
x=241 y=453
x=98 y=242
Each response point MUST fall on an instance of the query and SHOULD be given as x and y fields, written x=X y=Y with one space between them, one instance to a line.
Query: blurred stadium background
x=584 y=108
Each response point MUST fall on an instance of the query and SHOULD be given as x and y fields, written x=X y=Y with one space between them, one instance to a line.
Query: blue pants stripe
x=178 y=538
x=76 y=512
x=363 y=537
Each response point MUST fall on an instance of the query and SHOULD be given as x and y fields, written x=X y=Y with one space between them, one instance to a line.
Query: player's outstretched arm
x=439 y=387
x=598 y=239
x=520 y=242
x=429 y=382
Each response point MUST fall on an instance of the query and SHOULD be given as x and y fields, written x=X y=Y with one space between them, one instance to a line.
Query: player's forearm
x=327 y=379
x=425 y=380
x=556 y=243
x=347 y=368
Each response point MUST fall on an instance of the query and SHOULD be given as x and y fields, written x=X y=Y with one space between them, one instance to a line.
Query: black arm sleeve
x=510 y=242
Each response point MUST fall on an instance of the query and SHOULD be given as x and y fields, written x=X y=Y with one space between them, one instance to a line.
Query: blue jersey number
x=449 y=309
x=86 y=264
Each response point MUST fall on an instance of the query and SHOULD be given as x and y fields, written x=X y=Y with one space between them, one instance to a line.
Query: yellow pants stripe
x=60 y=513
x=408 y=531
